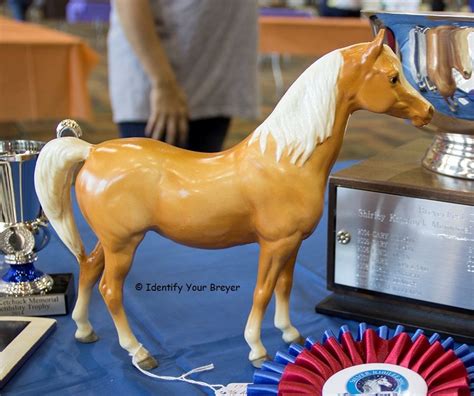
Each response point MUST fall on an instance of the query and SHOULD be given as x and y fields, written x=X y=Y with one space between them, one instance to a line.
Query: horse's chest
x=309 y=213
x=290 y=213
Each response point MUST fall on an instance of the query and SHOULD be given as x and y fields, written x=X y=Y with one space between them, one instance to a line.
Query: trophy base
x=451 y=154
x=57 y=301
x=41 y=285
x=411 y=315
x=400 y=244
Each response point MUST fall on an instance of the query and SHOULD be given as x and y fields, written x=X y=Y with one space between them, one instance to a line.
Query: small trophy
x=23 y=229
x=23 y=233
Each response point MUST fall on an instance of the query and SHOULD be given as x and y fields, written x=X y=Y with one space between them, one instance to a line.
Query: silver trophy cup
x=23 y=229
x=437 y=54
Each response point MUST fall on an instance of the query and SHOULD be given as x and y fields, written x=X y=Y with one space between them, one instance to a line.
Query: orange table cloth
x=311 y=36
x=43 y=73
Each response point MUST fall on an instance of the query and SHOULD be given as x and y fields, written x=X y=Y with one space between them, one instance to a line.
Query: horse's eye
x=393 y=80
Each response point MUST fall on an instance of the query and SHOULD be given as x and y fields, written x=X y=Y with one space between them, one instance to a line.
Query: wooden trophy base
x=400 y=245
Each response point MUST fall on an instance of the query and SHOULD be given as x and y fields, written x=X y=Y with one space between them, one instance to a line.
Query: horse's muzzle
x=420 y=121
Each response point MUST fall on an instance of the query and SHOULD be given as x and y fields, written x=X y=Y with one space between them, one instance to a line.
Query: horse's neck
x=304 y=116
x=325 y=154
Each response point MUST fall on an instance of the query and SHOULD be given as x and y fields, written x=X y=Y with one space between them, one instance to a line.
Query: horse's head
x=374 y=79
x=384 y=382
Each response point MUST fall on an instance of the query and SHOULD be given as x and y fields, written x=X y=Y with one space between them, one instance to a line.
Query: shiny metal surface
x=451 y=154
x=17 y=239
x=404 y=246
x=23 y=229
x=67 y=128
x=39 y=285
x=444 y=78
x=18 y=201
x=343 y=237
x=19 y=150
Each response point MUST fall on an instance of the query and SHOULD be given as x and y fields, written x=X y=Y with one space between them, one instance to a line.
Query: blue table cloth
x=182 y=330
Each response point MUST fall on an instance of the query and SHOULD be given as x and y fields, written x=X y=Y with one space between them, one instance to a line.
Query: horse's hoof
x=149 y=363
x=297 y=340
x=300 y=340
x=88 y=339
x=257 y=363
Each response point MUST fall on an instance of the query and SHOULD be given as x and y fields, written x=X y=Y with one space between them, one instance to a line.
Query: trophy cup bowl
x=23 y=228
x=437 y=53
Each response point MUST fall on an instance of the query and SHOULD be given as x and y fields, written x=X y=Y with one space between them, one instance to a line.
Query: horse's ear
x=374 y=48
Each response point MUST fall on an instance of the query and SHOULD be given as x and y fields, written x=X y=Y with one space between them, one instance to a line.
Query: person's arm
x=167 y=100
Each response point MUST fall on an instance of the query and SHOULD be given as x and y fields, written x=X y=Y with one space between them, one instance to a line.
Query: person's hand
x=168 y=114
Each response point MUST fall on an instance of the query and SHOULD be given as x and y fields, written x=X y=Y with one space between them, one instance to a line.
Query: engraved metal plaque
x=405 y=246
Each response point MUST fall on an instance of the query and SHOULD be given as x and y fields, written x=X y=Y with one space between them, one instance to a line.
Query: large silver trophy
x=23 y=229
x=437 y=53
x=401 y=224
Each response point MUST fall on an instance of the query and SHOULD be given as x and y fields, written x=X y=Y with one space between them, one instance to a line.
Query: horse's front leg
x=273 y=257
x=282 y=301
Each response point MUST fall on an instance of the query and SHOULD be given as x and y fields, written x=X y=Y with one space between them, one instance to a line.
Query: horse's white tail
x=53 y=175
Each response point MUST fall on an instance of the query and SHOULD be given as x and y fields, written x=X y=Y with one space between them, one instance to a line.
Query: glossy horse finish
x=267 y=189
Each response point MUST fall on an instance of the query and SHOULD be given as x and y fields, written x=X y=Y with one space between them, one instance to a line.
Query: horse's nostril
x=431 y=112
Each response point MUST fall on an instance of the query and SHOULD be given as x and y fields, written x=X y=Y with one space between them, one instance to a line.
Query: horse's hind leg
x=117 y=265
x=282 y=301
x=90 y=269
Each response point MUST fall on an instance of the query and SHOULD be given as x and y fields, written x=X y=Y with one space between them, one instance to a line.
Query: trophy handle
x=45 y=236
x=70 y=127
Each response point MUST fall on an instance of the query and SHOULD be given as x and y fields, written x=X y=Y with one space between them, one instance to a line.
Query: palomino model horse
x=267 y=189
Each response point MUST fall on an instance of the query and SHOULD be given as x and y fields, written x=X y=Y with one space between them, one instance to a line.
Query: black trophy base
x=377 y=311
x=58 y=301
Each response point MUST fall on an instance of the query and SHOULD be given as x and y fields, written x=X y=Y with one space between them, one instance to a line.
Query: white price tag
x=233 y=390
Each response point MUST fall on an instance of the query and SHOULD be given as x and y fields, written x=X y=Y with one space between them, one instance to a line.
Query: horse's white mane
x=304 y=116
